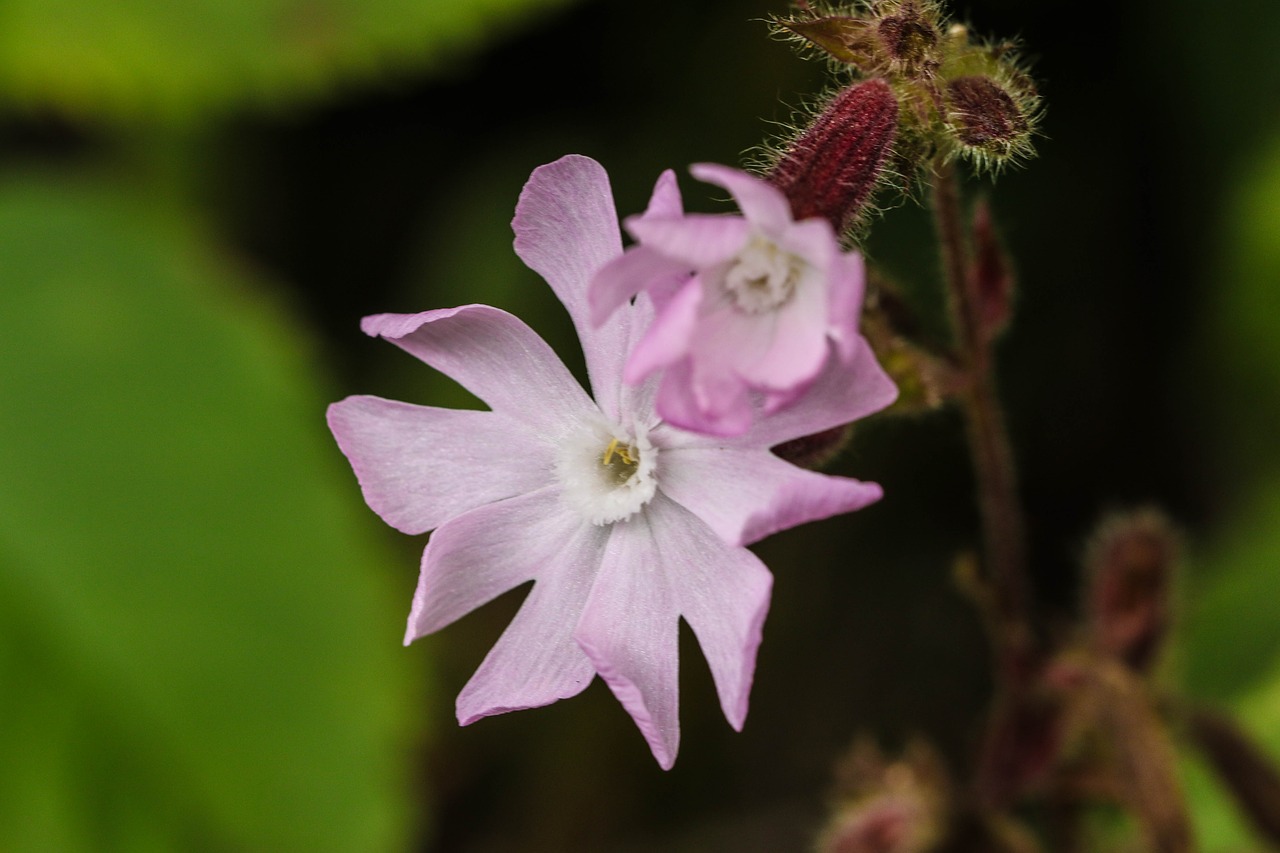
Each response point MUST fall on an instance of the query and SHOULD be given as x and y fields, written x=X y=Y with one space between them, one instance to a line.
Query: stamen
x=624 y=453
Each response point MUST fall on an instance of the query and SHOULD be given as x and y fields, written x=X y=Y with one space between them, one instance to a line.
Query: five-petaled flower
x=624 y=523
x=750 y=307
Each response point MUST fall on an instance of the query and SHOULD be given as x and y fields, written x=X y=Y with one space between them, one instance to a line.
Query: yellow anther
x=623 y=452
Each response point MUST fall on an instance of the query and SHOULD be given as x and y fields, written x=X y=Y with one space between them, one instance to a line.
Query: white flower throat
x=762 y=277
x=606 y=474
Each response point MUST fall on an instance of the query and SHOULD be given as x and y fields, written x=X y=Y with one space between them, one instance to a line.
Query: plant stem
x=1002 y=521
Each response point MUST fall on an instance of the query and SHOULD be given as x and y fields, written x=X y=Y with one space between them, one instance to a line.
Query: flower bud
x=910 y=39
x=831 y=170
x=989 y=121
x=1130 y=565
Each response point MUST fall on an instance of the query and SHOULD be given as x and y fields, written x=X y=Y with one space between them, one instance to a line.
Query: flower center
x=762 y=277
x=606 y=476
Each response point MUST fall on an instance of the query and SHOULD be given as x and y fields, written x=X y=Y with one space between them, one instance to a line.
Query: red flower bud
x=831 y=170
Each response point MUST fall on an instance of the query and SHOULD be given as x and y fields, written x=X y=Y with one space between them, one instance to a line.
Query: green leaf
x=127 y=58
x=198 y=648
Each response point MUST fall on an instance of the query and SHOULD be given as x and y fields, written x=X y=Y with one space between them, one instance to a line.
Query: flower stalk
x=1003 y=527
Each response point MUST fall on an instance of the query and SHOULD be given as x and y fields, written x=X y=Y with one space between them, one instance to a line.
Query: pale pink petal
x=763 y=204
x=661 y=565
x=698 y=240
x=797 y=346
x=714 y=405
x=630 y=626
x=566 y=230
x=813 y=240
x=420 y=466
x=845 y=290
x=476 y=557
x=746 y=495
x=665 y=200
x=641 y=268
x=494 y=356
x=843 y=392
x=723 y=593
x=668 y=337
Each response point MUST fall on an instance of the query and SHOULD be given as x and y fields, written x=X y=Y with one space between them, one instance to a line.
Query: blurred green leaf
x=197 y=650
x=1230 y=648
x=140 y=57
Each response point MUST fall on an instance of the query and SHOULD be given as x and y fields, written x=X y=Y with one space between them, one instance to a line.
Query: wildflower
x=750 y=307
x=624 y=523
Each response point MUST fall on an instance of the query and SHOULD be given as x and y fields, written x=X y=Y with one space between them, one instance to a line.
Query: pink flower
x=625 y=524
x=750 y=306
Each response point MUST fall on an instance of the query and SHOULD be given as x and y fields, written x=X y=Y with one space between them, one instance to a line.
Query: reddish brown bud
x=831 y=170
x=910 y=39
x=992 y=274
x=1130 y=564
x=1246 y=769
x=985 y=117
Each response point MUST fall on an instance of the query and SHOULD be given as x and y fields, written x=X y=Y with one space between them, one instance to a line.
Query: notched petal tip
x=663 y=744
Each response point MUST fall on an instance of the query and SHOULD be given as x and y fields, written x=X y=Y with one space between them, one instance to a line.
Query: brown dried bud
x=844 y=39
x=831 y=170
x=987 y=119
x=992 y=274
x=1247 y=771
x=910 y=39
x=1130 y=565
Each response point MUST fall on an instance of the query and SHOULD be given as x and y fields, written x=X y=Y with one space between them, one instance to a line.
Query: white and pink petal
x=420 y=466
x=746 y=495
x=495 y=356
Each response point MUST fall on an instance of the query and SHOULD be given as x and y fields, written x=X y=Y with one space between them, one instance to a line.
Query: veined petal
x=698 y=240
x=665 y=200
x=746 y=495
x=845 y=290
x=667 y=564
x=763 y=204
x=723 y=593
x=478 y=556
x=566 y=230
x=669 y=336
x=641 y=268
x=796 y=346
x=493 y=355
x=420 y=466
x=713 y=405
x=630 y=627
x=843 y=392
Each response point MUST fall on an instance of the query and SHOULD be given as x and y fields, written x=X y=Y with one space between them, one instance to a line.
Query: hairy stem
x=1002 y=522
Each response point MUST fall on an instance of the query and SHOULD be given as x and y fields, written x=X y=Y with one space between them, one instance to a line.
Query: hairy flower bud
x=1130 y=565
x=991 y=122
x=831 y=170
x=910 y=38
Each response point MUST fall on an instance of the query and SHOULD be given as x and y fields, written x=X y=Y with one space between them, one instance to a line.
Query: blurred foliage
x=196 y=649
x=129 y=58
x=1231 y=649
